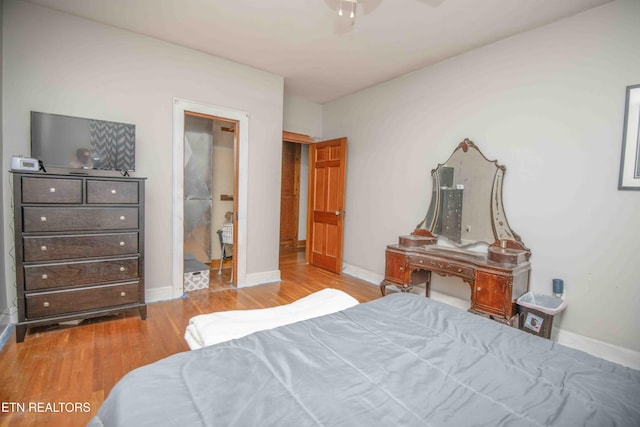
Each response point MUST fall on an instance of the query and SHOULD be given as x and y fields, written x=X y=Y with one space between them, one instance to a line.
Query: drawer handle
x=121 y=217
x=121 y=243
x=421 y=261
x=122 y=269
x=43 y=219
x=45 y=277
x=479 y=288
x=43 y=248
x=401 y=268
x=123 y=294
x=114 y=191
x=45 y=304
x=459 y=270
x=52 y=190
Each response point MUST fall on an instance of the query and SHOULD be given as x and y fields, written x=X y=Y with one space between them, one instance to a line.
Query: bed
x=400 y=360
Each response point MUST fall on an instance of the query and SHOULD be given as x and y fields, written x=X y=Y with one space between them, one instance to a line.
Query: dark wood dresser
x=79 y=247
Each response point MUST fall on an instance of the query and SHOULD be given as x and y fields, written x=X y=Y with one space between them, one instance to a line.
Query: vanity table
x=465 y=234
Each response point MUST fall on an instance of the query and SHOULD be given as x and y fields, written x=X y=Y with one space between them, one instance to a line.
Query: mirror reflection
x=466 y=202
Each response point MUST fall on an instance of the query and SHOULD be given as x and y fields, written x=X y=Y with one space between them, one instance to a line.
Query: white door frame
x=181 y=106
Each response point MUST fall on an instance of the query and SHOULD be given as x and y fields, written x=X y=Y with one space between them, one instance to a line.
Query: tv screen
x=80 y=143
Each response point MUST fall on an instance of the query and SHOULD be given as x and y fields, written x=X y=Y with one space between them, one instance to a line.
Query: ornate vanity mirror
x=466 y=203
x=465 y=233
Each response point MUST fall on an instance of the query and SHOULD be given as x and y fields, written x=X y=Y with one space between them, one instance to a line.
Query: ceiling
x=322 y=56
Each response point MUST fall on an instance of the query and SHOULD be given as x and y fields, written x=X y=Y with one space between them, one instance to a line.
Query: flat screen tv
x=80 y=143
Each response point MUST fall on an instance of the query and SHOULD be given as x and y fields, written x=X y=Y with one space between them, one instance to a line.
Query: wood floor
x=60 y=375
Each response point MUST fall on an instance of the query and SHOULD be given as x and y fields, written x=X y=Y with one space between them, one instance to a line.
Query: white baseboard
x=264 y=277
x=6 y=326
x=158 y=294
x=362 y=273
x=613 y=353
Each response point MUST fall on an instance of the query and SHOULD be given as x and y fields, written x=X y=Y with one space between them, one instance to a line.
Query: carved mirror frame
x=503 y=235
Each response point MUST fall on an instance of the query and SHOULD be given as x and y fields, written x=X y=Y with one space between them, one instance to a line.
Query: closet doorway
x=294 y=190
x=209 y=188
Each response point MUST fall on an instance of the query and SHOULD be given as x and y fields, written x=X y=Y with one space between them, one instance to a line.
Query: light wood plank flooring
x=64 y=366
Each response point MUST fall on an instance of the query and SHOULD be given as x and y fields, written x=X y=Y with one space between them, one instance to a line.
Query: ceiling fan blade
x=367 y=6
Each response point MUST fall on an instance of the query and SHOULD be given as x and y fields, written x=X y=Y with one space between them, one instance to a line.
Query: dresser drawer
x=36 y=219
x=49 y=248
x=51 y=190
x=79 y=273
x=113 y=192
x=72 y=301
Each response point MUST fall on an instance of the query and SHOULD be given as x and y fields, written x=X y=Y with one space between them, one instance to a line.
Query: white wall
x=4 y=304
x=58 y=63
x=549 y=105
x=302 y=116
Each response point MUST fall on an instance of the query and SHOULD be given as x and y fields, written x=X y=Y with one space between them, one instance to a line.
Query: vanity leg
x=383 y=288
x=427 y=285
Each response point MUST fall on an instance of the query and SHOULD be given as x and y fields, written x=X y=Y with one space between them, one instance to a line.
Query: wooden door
x=290 y=194
x=327 y=180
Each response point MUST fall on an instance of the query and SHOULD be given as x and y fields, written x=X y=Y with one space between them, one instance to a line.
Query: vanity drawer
x=51 y=190
x=114 y=192
x=37 y=219
x=441 y=266
x=49 y=248
x=72 y=301
x=79 y=273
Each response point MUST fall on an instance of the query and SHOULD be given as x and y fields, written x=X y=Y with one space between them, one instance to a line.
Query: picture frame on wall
x=630 y=159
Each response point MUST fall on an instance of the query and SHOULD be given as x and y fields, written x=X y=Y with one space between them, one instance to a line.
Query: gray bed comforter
x=401 y=360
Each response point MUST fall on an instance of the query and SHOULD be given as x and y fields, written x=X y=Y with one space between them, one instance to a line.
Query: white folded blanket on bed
x=208 y=329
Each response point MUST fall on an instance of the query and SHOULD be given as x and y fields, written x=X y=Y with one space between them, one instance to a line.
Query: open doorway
x=240 y=122
x=209 y=188
x=294 y=191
